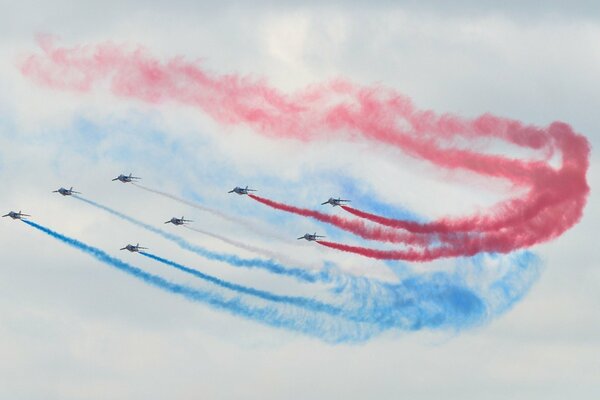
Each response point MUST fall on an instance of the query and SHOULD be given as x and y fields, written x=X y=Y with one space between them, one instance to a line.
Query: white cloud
x=74 y=329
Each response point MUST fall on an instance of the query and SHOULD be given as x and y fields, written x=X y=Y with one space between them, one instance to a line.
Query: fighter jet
x=134 y=249
x=125 y=178
x=66 y=192
x=178 y=221
x=241 y=191
x=311 y=238
x=16 y=215
x=335 y=202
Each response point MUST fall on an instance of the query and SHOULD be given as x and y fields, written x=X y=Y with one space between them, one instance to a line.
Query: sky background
x=71 y=328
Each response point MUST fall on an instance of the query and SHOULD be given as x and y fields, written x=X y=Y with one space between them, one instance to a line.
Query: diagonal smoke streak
x=233 y=260
x=552 y=201
x=189 y=203
x=357 y=227
x=236 y=220
x=302 y=302
x=258 y=250
x=556 y=196
x=432 y=302
x=328 y=329
x=379 y=297
x=379 y=312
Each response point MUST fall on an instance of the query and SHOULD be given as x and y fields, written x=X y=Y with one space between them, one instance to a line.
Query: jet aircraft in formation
x=311 y=237
x=134 y=249
x=66 y=192
x=16 y=215
x=178 y=221
x=335 y=202
x=126 y=178
x=240 y=190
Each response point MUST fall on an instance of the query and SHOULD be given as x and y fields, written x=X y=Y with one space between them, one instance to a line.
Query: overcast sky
x=72 y=328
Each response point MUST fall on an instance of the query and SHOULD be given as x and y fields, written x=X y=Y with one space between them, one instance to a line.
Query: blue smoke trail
x=269 y=265
x=452 y=297
x=520 y=270
x=435 y=300
x=307 y=324
x=460 y=300
x=303 y=302
x=449 y=300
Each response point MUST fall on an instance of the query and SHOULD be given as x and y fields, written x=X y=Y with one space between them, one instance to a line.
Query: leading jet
x=335 y=202
x=16 y=215
x=310 y=237
x=240 y=190
x=66 y=192
x=126 y=178
x=134 y=249
x=178 y=221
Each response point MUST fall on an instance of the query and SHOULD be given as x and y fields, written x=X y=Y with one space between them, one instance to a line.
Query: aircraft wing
x=301 y=237
x=124 y=248
x=327 y=202
x=168 y=222
x=116 y=179
x=6 y=215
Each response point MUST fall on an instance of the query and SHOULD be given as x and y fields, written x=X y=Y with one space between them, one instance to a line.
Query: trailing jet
x=178 y=221
x=66 y=192
x=311 y=238
x=335 y=202
x=126 y=178
x=16 y=215
x=134 y=249
x=241 y=191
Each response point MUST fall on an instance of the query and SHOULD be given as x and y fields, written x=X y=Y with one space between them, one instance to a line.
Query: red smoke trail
x=549 y=188
x=355 y=226
x=554 y=197
x=505 y=240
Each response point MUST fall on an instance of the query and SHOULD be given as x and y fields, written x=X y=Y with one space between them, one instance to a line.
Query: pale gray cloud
x=71 y=328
